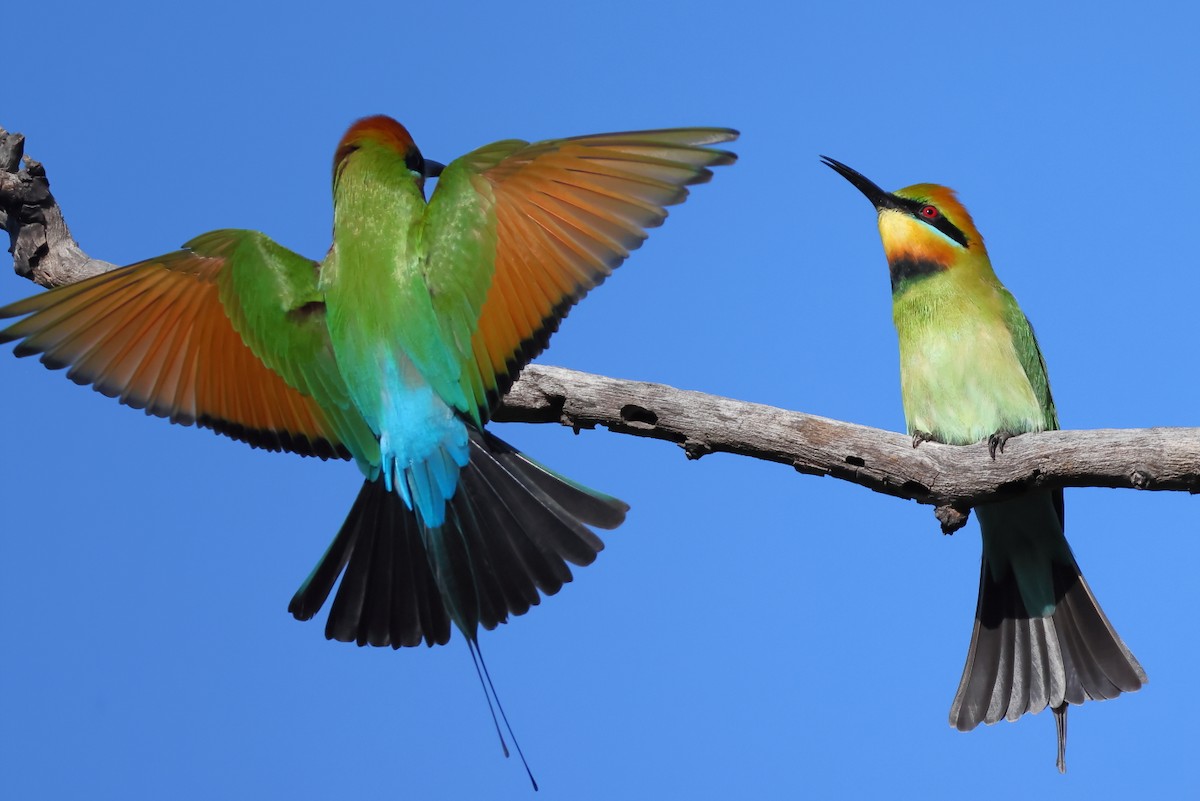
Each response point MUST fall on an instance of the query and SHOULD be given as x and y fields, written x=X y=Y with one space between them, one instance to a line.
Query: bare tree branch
x=42 y=247
x=951 y=478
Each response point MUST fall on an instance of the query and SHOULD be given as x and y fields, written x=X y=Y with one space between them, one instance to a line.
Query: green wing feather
x=1030 y=356
x=517 y=233
x=227 y=334
x=271 y=297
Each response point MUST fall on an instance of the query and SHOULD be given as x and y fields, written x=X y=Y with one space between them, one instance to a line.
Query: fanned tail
x=388 y=595
x=511 y=528
x=1019 y=664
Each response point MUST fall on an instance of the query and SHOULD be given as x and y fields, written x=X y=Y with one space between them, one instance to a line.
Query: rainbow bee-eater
x=971 y=371
x=393 y=351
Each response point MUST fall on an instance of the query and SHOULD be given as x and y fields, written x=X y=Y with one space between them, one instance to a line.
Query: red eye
x=930 y=212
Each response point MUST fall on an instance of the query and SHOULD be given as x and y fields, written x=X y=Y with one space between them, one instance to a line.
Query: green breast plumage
x=963 y=374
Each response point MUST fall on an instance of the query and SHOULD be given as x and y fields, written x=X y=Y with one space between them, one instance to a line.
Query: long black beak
x=432 y=168
x=879 y=199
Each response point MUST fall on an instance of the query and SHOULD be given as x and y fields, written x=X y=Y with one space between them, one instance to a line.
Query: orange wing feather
x=567 y=213
x=155 y=336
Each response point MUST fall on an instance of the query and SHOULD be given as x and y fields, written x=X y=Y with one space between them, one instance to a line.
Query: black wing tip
x=528 y=350
x=259 y=439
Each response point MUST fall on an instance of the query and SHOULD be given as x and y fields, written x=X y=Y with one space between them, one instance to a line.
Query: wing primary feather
x=168 y=370
x=49 y=308
x=158 y=336
x=72 y=321
x=61 y=339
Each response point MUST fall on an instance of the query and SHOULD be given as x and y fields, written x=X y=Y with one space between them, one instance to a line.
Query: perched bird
x=971 y=370
x=393 y=351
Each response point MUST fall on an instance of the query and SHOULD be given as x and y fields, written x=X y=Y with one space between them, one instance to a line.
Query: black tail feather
x=311 y=596
x=388 y=595
x=511 y=529
x=1019 y=664
x=1116 y=670
x=518 y=582
x=381 y=580
x=489 y=692
x=544 y=571
x=584 y=505
x=544 y=521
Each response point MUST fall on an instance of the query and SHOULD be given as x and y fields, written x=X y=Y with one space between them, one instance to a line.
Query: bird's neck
x=378 y=208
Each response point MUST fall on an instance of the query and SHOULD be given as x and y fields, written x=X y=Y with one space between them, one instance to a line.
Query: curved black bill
x=879 y=199
x=432 y=168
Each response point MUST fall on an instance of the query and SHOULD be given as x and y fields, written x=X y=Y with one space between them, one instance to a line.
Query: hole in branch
x=638 y=416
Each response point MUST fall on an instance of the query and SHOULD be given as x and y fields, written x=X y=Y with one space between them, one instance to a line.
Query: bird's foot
x=996 y=442
x=922 y=436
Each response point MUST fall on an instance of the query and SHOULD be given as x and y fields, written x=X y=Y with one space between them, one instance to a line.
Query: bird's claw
x=921 y=436
x=996 y=442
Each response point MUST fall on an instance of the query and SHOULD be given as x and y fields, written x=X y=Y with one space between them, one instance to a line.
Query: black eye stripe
x=940 y=222
x=415 y=162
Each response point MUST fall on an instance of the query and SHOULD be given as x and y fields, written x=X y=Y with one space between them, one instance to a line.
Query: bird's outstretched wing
x=517 y=233
x=227 y=333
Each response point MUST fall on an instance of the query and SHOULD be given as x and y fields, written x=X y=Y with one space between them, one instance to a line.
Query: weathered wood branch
x=42 y=247
x=951 y=478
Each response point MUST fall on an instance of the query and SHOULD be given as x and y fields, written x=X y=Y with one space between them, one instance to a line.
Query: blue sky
x=749 y=632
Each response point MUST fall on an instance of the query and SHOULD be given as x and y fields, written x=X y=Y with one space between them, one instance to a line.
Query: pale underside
x=961 y=377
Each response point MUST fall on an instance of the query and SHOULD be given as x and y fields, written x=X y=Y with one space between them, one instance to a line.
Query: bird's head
x=382 y=133
x=925 y=229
